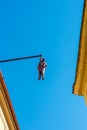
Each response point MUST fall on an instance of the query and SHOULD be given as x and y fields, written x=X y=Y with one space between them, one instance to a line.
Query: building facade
x=8 y=119
x=80 y=85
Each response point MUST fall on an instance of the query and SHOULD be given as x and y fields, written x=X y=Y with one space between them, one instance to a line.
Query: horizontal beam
x=21 y=58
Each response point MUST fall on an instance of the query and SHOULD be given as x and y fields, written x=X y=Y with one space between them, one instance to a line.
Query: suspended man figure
x=41 y=68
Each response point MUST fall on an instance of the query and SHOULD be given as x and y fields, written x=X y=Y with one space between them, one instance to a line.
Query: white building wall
x=3 y=123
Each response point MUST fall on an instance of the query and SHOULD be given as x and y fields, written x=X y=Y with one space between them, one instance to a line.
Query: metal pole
x=21 y=58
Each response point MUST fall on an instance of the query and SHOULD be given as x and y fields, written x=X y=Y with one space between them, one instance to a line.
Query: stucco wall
x=3 y=123
x=81 y=71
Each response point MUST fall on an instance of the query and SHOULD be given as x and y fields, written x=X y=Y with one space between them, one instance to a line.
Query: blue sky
x=50 y=28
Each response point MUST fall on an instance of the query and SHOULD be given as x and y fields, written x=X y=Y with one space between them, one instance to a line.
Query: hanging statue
x=41 y=68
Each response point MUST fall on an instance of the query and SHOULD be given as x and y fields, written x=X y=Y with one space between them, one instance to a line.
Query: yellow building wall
x=80 y=85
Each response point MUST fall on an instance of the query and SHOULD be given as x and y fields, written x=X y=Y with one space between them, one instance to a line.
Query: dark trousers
x=40 y=74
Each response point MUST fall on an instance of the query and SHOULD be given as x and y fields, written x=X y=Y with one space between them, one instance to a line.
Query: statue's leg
x=39 y=75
